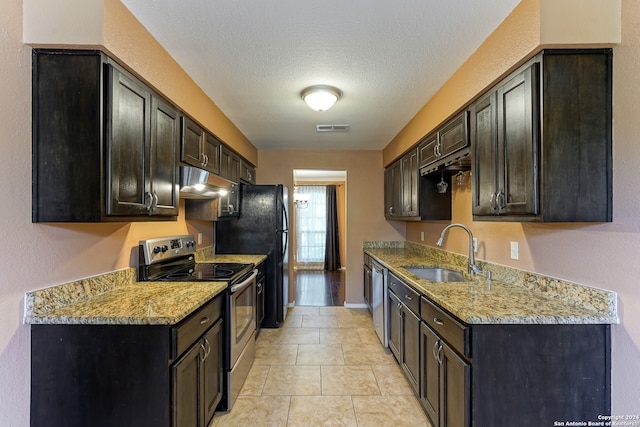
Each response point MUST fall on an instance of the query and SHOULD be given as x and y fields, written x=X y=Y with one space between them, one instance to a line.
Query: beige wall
x=364 y=206
x=599 y=255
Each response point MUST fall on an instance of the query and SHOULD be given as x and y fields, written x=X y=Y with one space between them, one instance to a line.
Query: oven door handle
x=247 y=282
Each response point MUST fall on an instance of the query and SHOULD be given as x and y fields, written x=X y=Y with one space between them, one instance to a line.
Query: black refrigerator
x=262 y=228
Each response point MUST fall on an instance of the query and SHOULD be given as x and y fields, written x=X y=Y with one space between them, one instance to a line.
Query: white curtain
x=311 y=226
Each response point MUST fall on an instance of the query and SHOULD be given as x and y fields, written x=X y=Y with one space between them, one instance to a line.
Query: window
x=311 y=226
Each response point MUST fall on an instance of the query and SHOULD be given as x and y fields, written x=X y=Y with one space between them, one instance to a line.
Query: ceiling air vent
x=332 y=128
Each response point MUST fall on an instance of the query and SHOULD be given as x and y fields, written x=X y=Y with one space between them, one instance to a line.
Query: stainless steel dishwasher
x=379 y=298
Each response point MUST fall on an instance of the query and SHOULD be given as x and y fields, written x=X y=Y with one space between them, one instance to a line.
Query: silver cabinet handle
x=148 y=201
x=206 y=348
x=500 y=204
x=400 y=308
x=433 y=350
x=203 y=352
x=438 y=321
x=408 y=297
x=154 y=203
x=439 y=353
x=204 y=320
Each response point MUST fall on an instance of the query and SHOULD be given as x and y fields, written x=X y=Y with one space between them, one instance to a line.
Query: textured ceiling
x=254 y=57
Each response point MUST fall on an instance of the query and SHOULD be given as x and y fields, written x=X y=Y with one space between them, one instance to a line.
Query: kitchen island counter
x=513 y=297
x=118 y=299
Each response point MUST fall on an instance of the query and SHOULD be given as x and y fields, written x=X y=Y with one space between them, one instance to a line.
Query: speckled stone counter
x=116 y=298
x=512 y=297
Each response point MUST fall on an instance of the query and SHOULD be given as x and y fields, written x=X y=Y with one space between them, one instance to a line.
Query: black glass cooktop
x=208 y=272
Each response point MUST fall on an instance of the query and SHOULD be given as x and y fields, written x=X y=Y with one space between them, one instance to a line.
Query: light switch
x=199 y=238
x=422 y=236
x=514 y=250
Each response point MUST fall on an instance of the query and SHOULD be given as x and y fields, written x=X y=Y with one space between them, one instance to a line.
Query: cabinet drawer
x=190 y=329
x=445 y=325
x=407 y=295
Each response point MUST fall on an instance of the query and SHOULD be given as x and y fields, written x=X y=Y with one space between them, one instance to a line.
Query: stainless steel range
x=172 y=259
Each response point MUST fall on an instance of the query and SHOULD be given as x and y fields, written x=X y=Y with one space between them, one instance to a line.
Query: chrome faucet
x=473 y=268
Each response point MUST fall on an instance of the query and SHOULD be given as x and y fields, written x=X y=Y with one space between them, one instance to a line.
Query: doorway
x=318 y=236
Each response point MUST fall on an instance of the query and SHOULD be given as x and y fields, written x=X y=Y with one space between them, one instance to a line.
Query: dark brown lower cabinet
x=128 y=375
x=498 y=375
x=198 y=379
x=445 y=382
x=410 y=354
x=394 y=326
x=518 y=375
x=404 y=329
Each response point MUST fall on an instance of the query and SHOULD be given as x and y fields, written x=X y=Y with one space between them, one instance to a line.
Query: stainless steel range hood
x=197 y=183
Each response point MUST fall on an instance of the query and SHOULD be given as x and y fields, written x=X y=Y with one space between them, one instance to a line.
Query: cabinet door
x=165 y=130
x=395 y=324
x=211 y=152
x=410 y=354
x=429 y=373
x=247 y=173
x=393 y=191
x=212 y=371
x=428 y=150
x=128 y=136
x=187 y=389
x=410 y=180
x=484 y=142
x=454 y=135
x=455 y=389
x=517 y=192
x=229 y=164
x=229 y=204
x=192 y=143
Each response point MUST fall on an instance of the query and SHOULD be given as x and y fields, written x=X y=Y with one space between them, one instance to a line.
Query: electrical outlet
x=514 y=250
x=475 y=245
x=422 y=236
x=199 y=238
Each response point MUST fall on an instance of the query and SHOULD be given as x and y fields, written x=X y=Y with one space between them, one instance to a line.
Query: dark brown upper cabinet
x=393 y=191
x=445 y=145
x=542 y=141
x=229 y=164
x=104 y=144
x=247 y=172
x=408 y=196
x=199 y=148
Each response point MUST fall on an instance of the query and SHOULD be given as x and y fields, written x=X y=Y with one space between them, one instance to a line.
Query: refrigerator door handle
x=285 y=234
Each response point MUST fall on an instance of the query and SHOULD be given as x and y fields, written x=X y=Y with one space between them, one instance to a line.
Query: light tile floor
x=324 y=367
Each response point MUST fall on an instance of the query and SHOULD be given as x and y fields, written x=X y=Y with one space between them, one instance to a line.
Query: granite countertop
x=117 y=299
x=514 y=297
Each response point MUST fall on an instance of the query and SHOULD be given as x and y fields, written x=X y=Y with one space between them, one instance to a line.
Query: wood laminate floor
x=319 y=288
x=325 y=366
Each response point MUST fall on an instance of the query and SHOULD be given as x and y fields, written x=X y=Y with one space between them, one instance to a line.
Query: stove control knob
x=165 y=248
x=156 y=249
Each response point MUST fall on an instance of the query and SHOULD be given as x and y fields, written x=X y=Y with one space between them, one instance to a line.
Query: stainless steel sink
x=437 y=274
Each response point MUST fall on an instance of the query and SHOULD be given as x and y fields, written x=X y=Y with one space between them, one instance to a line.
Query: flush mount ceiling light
x=321 y=97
